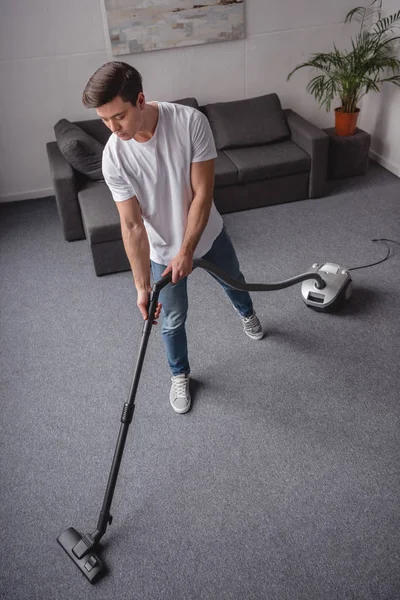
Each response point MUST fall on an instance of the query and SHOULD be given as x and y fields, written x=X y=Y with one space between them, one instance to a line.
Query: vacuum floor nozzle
x=90 y=564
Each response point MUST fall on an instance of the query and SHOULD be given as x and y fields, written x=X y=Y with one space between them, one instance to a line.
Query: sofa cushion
x=225 y=172
x=272 y=160
x=81 y=150
x=250 y=122
x=99 y=213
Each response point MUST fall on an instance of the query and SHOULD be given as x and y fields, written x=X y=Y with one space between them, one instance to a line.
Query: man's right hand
x=143 y=298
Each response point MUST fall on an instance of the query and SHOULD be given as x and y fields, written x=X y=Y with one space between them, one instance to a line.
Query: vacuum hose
x=247 y=287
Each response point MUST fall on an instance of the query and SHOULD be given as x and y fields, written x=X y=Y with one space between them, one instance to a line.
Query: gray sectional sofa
x=266 y=156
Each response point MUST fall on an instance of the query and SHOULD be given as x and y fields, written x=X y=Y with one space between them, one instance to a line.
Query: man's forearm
x=136 y=244
x=198 y=216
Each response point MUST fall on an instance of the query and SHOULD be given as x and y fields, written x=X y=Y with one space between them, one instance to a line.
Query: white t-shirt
x=157 y=172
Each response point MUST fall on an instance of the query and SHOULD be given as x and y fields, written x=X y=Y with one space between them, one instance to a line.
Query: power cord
x=384 y=240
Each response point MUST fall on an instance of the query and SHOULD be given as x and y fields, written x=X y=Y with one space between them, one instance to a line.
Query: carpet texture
x=281 y=483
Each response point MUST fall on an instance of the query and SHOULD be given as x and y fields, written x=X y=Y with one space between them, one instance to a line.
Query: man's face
x=122 y=118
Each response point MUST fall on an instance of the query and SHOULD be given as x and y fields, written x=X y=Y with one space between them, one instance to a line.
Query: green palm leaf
x=383 y=25
x=357 y=13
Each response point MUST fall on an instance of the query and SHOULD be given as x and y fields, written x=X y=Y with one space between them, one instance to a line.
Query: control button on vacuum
x=88 y=566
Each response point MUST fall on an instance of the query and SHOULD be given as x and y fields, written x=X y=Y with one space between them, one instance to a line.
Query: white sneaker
x=179 y=395
x=252 y=327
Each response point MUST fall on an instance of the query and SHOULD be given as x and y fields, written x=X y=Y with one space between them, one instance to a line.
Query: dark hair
x=112 y=79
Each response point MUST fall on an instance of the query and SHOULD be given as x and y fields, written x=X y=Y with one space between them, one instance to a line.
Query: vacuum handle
x=161 y=283
x=153 y=301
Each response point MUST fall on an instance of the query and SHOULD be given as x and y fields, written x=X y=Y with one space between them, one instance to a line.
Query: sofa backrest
x=241 y=123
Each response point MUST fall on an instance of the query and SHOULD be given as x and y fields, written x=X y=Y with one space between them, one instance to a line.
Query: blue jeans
x=174 y=301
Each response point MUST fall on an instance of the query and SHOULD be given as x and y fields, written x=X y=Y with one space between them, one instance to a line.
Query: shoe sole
x=257 y=337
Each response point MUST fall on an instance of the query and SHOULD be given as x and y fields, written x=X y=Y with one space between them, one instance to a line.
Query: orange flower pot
x=345 y=123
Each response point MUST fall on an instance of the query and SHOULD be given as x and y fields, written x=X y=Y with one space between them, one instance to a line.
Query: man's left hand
x=181 y=266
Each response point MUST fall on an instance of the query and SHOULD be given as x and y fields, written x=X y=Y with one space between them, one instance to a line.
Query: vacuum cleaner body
x=334 y=294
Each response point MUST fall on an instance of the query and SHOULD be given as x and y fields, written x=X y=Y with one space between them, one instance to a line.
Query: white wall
x=50 y=48
x=380 y=116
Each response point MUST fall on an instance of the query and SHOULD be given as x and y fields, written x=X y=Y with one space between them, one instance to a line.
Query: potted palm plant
x=351 y=74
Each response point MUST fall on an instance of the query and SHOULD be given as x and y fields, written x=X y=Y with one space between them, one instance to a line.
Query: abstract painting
x=142 y=25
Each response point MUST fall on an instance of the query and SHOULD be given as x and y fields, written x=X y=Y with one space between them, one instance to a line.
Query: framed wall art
x=142 y=25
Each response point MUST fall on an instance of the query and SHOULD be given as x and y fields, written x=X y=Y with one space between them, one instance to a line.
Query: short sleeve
x=203 y=145
x=120 y=188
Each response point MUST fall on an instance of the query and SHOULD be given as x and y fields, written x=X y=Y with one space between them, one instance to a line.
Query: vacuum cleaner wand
x=78 y=547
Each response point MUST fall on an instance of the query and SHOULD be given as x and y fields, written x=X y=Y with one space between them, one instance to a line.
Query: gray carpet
x=281 y=483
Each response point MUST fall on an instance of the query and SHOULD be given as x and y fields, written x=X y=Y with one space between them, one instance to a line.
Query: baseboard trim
x=395 y=169
x=27 y=195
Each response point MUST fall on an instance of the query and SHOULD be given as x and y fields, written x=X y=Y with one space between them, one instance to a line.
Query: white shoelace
x=251 y=322
x=180 y=387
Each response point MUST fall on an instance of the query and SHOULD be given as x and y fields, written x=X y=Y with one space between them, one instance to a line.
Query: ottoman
x=102 y=228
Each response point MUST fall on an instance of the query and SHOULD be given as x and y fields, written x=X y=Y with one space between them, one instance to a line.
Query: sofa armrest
x=65 y=189
x=315 y=142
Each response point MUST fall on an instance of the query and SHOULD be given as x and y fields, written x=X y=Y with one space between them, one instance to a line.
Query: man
x=159 y=166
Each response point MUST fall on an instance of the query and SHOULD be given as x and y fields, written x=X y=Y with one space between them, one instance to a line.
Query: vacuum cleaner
x=325 y=288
